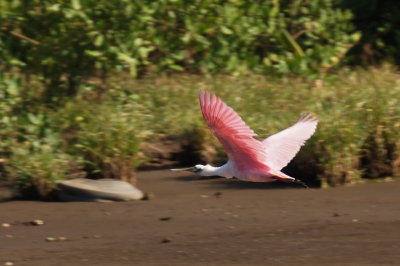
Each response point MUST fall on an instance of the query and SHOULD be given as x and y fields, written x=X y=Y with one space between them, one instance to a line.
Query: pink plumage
x=249 y=158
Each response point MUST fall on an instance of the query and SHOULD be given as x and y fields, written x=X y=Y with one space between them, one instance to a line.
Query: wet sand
x=211 y=222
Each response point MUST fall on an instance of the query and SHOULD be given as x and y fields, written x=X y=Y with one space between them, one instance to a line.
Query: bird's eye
x=197 y=170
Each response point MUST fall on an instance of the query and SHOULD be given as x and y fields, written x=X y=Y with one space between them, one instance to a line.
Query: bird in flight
x=251 y=159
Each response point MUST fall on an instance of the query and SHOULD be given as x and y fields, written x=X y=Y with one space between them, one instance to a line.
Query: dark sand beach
x=190 y=221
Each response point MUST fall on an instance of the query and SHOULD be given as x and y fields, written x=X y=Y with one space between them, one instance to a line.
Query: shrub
x=378 y=22
x=35 y=171
x=67 y=42
x=105 y=135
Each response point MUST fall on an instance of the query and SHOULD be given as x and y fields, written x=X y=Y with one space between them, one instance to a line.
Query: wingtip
x=308 y=117
x=201 y=97
x=201 y=94
x=207 y=97
x=204 y=92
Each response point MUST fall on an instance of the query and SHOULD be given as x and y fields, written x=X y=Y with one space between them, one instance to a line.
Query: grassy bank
x=358 y=135
x=108 y=132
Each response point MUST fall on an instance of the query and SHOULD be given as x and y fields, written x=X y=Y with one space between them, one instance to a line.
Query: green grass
x=36 y=171
x=358 y=135
x=358 y=112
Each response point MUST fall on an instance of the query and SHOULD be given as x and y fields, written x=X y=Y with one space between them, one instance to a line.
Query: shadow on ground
x=223 y=183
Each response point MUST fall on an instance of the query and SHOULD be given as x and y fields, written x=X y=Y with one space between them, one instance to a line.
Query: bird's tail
x=285 y=178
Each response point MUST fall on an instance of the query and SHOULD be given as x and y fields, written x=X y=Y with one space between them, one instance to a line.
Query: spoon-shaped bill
x=189 y=169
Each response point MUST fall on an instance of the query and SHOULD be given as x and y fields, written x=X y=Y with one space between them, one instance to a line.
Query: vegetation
x=86 y=85
x=358 y=135
x=377 y=21
x=94 y=37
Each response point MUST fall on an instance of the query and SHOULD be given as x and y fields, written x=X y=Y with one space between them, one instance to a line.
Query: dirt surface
x=210 y=222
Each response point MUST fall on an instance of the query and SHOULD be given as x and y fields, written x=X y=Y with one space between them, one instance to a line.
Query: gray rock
x=101 y=190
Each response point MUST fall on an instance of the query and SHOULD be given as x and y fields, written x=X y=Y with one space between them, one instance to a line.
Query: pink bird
x=249 y=158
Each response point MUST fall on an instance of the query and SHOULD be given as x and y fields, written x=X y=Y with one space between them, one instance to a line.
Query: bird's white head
x=197 y=169
x=200 y=169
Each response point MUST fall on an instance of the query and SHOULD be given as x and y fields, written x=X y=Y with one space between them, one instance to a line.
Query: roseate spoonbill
x=249 y=158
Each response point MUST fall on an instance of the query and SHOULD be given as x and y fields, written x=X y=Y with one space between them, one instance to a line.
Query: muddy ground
x=210 y=222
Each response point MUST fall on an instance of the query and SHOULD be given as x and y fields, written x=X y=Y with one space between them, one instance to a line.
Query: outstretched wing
x=233 y=133
x=283 y=146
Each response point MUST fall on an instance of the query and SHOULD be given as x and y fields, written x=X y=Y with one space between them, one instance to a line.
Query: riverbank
x=189 y=221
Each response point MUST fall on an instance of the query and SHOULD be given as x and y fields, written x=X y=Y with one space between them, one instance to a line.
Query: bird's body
x=251 y=159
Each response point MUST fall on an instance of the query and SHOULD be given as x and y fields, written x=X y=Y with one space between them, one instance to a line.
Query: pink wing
x=235 y=136
x=283 y=146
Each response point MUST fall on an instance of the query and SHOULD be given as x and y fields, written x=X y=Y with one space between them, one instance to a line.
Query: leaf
x=356 y=36
x=99 y=40
x=186 y=37
x=126 y=58
x=138 y=42
x=12 y=87
x=76 y=4
x=176 y=67
x=144 y=51
x=93 y=53
x=226 y=30
x=34 y=119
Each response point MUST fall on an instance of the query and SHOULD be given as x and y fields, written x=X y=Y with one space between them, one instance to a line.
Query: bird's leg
x=300 y=182
x=285 y=178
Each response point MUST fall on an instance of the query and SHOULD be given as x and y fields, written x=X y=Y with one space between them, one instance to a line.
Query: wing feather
x=283 y=146
x=233 y=133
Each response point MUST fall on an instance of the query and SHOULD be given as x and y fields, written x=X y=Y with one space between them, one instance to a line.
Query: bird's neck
x=213 y=171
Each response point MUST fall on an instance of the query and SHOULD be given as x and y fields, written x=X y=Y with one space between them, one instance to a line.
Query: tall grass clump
x=106 y=135
x=381 y=150
x=35 y=170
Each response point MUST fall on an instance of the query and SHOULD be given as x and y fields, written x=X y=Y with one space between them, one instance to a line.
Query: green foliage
x=378 y=22
x=358 y=135
x=34 y=160
x=65 y=93
x=107 y=137
x=381 y=151
x=66 y=42
x=35 y=171
x=41 y=146
x=10 y=101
